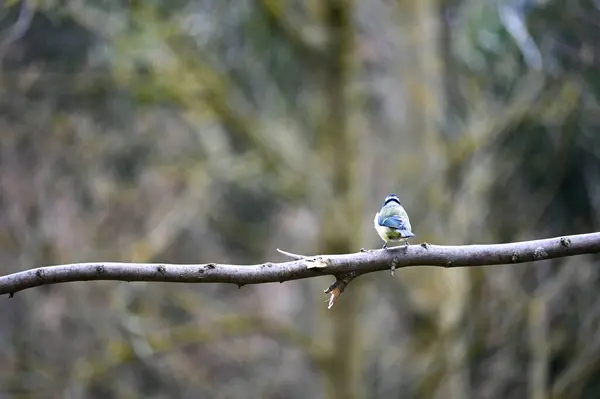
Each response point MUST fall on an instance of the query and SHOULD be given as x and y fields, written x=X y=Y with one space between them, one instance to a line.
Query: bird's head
x=391 y=198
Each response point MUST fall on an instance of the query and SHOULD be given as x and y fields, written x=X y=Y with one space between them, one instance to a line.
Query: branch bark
x=354 y=264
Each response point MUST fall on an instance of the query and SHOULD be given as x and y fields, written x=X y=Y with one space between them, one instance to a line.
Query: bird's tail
x=406 y=233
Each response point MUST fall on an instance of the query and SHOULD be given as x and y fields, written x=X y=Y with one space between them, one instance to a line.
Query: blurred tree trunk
x=342 y=216
x=427 y=113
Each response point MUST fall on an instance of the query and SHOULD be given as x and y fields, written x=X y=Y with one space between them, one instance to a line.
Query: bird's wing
x=394 y=222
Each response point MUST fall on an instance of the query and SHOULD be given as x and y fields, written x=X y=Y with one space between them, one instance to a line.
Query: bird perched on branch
x=391 y=222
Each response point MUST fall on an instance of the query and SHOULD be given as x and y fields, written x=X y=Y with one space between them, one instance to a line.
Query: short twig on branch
x=344 y=267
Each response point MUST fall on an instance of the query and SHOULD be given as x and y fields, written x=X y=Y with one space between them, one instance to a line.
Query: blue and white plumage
x=391 y=222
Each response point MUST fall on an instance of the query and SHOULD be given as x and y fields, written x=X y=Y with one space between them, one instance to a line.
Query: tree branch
x=19 y=28
x=302 y=267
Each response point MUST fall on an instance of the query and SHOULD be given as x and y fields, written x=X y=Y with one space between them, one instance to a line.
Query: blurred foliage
x=217 y=131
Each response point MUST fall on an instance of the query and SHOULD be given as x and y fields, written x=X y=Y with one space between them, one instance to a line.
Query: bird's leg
x=406 y=244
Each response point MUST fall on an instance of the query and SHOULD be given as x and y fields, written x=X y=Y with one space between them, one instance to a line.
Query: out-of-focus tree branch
x=121 y=351
x=309 y=266
x=311 y=48
x=19 y=28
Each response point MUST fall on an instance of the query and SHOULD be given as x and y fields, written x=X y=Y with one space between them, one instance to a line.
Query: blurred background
x=217 y=131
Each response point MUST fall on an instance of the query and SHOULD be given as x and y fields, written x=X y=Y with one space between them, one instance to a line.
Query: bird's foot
x=384 y=246
x=365 y=250
x=425 y=245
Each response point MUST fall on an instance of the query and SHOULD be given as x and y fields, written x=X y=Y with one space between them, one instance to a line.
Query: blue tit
x=391 y=222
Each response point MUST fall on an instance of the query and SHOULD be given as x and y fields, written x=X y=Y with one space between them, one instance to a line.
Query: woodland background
x=217 y=131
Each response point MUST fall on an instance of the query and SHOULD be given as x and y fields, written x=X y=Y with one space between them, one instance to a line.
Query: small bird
x=391 y=222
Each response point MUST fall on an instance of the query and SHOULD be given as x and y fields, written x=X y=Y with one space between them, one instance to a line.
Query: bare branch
x=340 y=266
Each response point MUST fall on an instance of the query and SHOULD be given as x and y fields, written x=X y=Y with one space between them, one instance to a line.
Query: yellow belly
x=388 y=234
